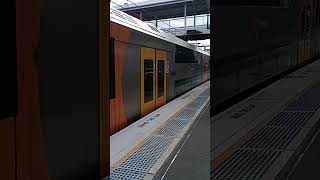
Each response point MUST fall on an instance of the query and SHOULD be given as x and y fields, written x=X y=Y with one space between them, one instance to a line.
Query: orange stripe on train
x=117 y=112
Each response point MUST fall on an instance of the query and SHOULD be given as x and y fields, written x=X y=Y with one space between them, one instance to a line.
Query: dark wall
x=8 y=64
x=7 y=150
x=8 y=92
x=240 y=29
x=252 y=44
x=68 y=67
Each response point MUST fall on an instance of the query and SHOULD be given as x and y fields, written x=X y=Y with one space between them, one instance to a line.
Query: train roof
x=124 y=19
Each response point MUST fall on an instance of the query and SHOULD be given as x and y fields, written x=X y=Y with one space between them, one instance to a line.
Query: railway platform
x=152 y=146
x=267 y=134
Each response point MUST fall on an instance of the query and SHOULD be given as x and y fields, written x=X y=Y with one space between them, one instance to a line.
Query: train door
x=153 y=79
x=148 y=102
x=161 y=58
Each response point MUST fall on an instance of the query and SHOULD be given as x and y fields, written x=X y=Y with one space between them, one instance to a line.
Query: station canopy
x=161 y=9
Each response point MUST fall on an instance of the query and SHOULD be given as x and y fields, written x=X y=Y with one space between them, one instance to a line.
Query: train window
x=112 y=67
x=160 y=78
x=148 y=80
x=198 y=57
x=184 y=55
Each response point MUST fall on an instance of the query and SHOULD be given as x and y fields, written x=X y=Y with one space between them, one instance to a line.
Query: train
x=256 y=42
x=148 y=68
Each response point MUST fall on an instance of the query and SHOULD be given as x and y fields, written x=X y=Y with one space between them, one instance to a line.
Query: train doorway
x=153 y=79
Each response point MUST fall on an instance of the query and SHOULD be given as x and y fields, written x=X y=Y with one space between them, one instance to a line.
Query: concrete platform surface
x=140 y=150
x=262 y=136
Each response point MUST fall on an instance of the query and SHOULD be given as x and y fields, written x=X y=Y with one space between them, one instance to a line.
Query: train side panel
x=120 y=34
x=191 y=74
x=125 y=107
x=131 y=82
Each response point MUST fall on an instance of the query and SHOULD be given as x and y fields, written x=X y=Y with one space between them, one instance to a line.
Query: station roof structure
x=163 y=9
x=193 y=16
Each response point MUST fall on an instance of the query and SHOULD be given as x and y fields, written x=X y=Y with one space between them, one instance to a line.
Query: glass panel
x=160 y=78
x=190 y=21
x=199 y=20
x=163 y=24
x=205 y=18
x=177 y=23
x=152 y=23
x=148 y=80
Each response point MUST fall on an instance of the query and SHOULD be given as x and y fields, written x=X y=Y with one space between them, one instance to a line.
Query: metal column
x=185 y=15
x=140 y=15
